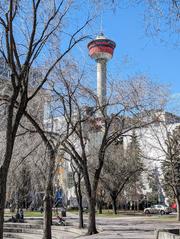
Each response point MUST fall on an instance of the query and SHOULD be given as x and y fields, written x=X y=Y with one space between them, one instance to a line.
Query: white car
x=158 y=209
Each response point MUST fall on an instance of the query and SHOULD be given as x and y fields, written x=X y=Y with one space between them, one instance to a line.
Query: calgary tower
x=101 y=50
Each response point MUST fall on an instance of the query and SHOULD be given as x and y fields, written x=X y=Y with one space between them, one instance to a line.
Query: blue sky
x=136 y=52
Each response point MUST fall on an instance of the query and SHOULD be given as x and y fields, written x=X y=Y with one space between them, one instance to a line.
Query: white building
x=152 y=141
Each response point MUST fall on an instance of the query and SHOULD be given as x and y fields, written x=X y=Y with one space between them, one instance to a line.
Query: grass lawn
x=33 y=214
x=106 y=213
x=29 y=213
x=26 y=214
x=109 y=213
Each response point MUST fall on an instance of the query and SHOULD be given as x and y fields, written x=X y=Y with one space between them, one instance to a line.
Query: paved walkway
x=111 y=228
x=131 y=228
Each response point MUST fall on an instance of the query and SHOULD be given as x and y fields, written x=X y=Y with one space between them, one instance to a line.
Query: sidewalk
x=109 y=228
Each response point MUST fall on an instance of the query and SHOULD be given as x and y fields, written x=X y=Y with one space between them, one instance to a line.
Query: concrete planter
x=168 y=234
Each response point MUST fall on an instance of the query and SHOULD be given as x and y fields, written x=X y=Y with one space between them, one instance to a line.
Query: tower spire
x=101 y=23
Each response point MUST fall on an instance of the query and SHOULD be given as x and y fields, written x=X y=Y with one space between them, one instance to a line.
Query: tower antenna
x=101 y=22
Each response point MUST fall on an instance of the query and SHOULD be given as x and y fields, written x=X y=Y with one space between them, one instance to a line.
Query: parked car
x=158 y=209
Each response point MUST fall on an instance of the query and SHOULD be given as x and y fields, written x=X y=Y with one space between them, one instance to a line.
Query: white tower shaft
x=101 y=81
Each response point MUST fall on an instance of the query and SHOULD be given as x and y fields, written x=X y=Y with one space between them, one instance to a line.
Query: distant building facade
x=152 y=143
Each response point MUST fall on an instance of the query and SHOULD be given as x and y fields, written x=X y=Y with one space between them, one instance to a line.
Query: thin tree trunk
x=79 y=196
x=77 y=186
x=48 y=199
x=3 y=179
x=81 y=220
x=178 y=209
x=47 y=216
x=91 y=192
x=4 y=170
x=92 y=216
x=114 y=204
x=100 y=206
x=1 y=216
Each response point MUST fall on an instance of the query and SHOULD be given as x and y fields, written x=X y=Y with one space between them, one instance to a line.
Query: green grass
x=33 y=214
x=26 y=214
x=109 y=213
x=164 y=218
x=106 y=214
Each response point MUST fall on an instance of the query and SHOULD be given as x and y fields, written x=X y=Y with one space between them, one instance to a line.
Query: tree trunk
x=91 y=192
x=178 y=208
x=48 y=199
x=4 y=172
x=77 y=186
x=3 y=179
x=47 y=216
x=13 y=121
x=100 y=206
x=114 y=204
x=92 y=216
x=79 y=196
x=81 y=221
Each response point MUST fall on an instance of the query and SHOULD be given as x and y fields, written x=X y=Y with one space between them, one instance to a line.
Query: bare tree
x=121 y=167
x=163 y=143
x=171 y=166
x=94 y=134
x=27 y=30
x=30 y=164
x=162 y=17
